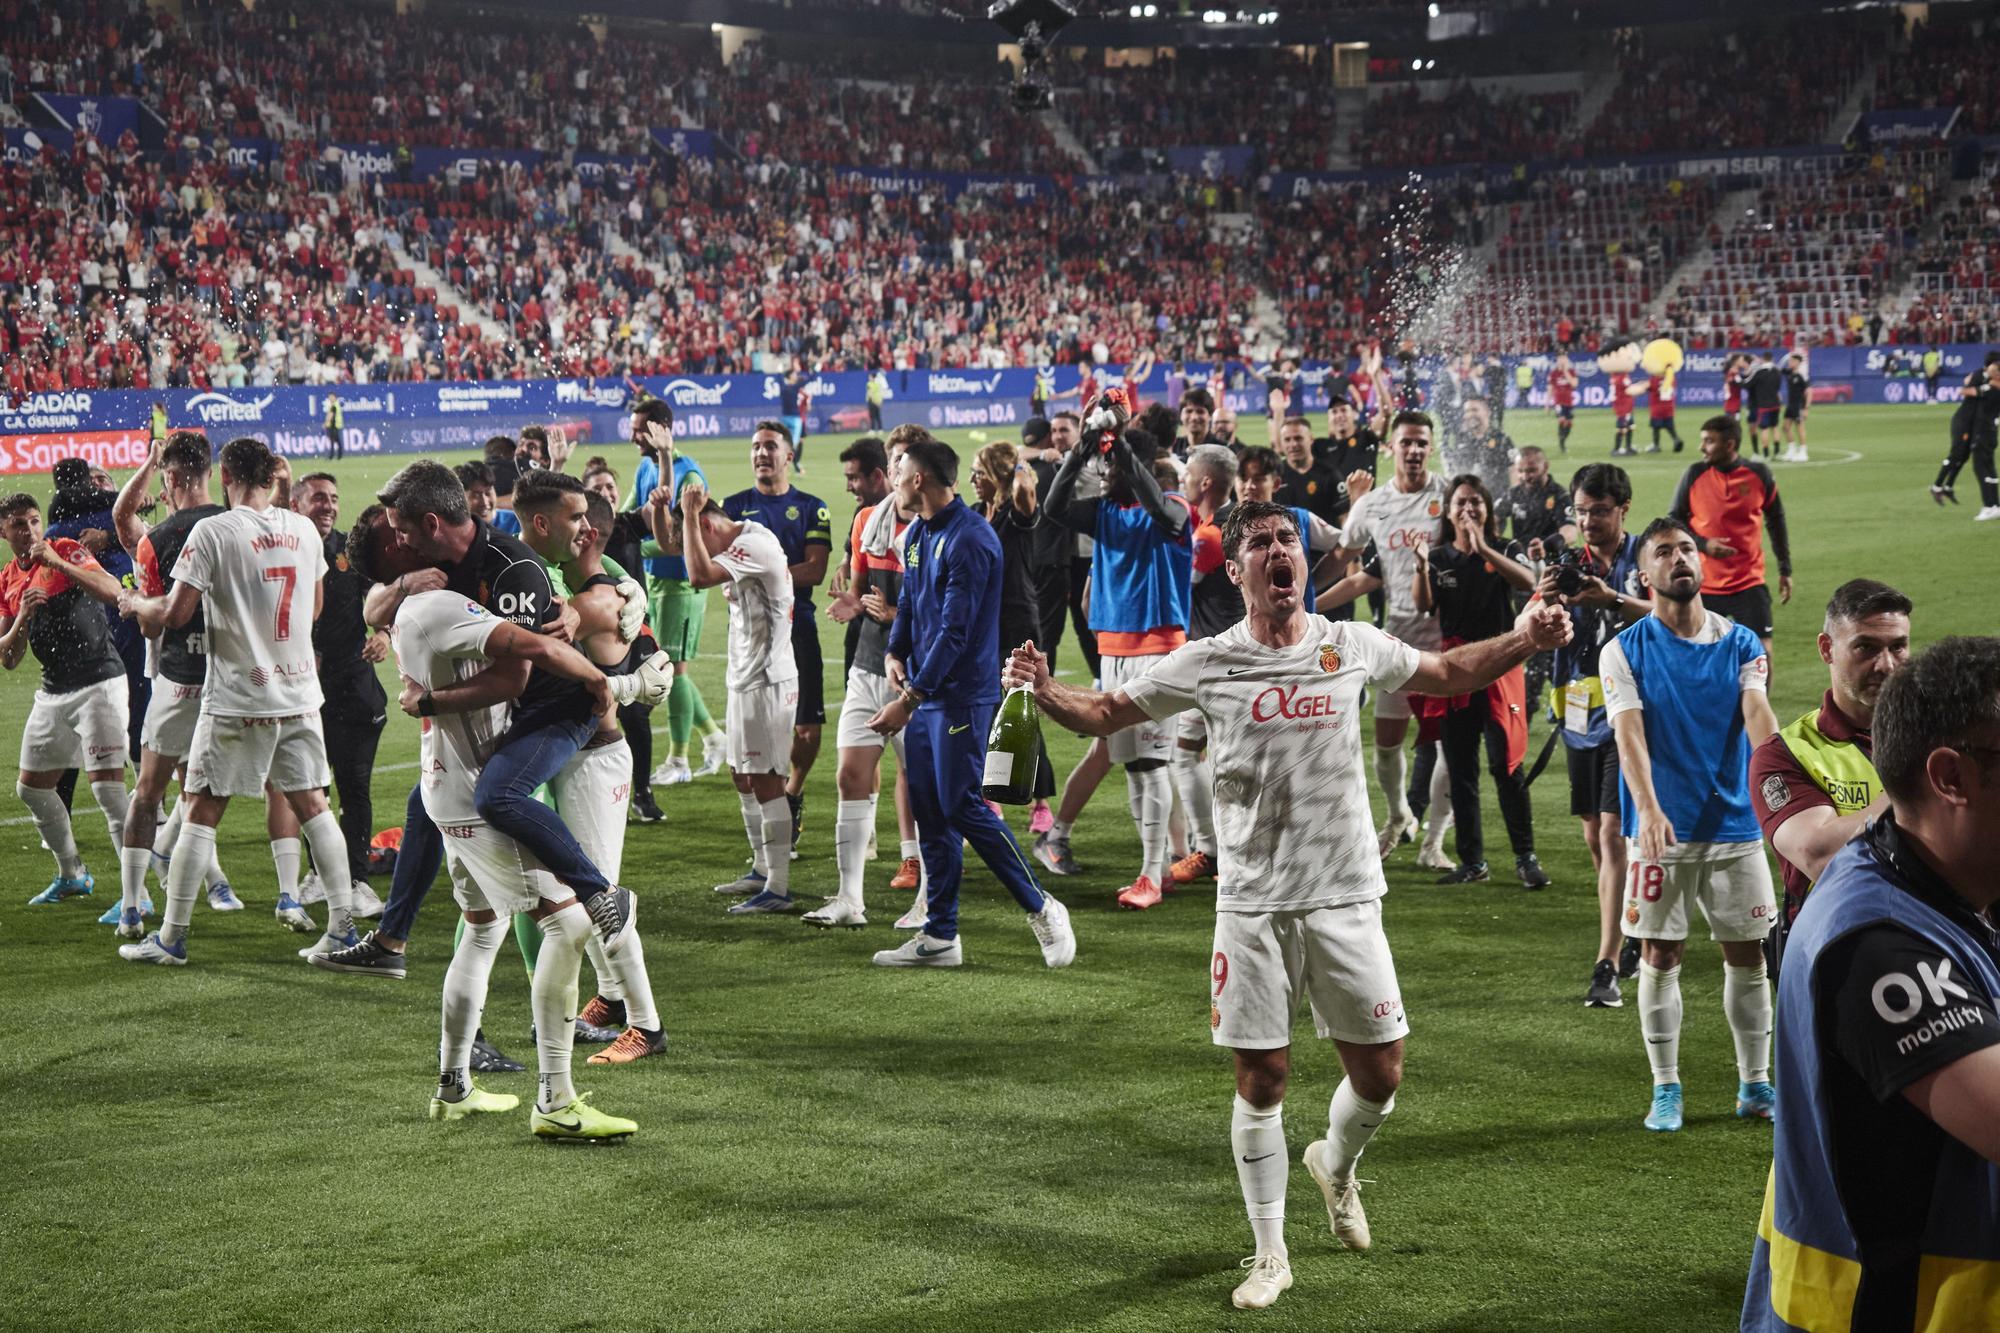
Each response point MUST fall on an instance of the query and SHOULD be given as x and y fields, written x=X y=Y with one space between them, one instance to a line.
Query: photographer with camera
x=1598 y=581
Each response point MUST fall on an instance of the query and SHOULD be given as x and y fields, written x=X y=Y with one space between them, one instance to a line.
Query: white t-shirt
x=259 y=572
x=760 y=599
x=1284 y=739
x=1621 y=691
x=440 y=639
x=1400 y=523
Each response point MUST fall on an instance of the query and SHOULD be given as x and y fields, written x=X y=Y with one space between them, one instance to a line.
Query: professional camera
x=1572 y=570
x=1032 y=23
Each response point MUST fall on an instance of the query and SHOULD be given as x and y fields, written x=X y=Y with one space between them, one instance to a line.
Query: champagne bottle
x=1012 y=748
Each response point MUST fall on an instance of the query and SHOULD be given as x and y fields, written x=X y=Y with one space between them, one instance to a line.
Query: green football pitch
x=242 y=1144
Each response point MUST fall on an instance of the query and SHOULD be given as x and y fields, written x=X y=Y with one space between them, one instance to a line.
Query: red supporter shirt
x=1562 y=387
x=1732 y=505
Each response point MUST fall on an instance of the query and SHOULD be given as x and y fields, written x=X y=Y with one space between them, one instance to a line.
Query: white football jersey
x=1400 y=523
x=1284 y=741
x=760 y=599
x=440 y=639
x=259 y=572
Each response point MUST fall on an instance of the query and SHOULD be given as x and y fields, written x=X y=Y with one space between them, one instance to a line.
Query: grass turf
x=829 y=1146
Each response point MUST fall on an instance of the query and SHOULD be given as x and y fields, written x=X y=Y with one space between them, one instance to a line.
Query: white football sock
x=169 y=831
x=329 y=849
x=1660 y=1019
x=606 y=971
x=911 y=851
x=285 y=856
x=191 y=852
x=1747 y=1000
x=1150 y=796
x=851 y=822
x=111 y=799
x=1351 y=1121
x=1392 y=771
x=753 y=829
x=1059 y=831
x=1195 y=783
x=777 y=816
x=1257 y=1138
x=628 y=963
x=133 y=863
x=52 y=819
x=464 y=998
x=552 y=997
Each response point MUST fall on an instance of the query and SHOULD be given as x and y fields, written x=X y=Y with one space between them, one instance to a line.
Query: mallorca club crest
x=1329 y=658
x=1435 y=508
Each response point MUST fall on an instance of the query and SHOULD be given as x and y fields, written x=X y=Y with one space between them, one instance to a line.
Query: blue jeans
x=417 y=864
x=505 y=799
x=944 y=750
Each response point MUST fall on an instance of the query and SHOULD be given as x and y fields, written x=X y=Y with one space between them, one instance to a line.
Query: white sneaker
x=312 y=889
x=920 y=950
x=671 y=773
x=1053 y=933
x=1270 y=1277
x=366 y=903
x=327 y=944
x=1343 y=1199
x=1431 y=856
x=920 y=912
x=1987 y=515
x=837 y=912
x=1395 y=833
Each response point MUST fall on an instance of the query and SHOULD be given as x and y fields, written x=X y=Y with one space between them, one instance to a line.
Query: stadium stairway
x=1699 y=260
x=1350 y=105
x=1856 y=102
x=1066 y=140
x=1599 y=84
x=468 y=308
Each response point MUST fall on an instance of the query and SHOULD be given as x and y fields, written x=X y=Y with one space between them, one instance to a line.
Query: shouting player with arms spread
x=1299 y=887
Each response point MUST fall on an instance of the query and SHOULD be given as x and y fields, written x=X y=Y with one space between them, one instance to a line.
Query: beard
x=1680 y=590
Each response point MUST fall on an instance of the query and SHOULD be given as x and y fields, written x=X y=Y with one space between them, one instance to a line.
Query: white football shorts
x=1337 y=958
x=868 y=693
x=760 y=728
x=490 y=872
x=236 y=756
x=1729 y=881
x=593 y=792
x=170 y=718
x=81 y=728
x=1150 y=739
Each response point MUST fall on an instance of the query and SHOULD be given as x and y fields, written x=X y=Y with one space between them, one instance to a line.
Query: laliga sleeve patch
x=1777 y=793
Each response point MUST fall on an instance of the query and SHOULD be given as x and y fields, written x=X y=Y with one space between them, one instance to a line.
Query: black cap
x=1338 y=400
x=1035 y=430
x=72 y=474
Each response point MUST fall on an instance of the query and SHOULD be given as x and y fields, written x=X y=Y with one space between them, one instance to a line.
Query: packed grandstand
x=313 y=195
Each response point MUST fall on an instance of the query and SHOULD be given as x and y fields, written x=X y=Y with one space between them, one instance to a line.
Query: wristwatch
x=426 y=705
x=911 y=698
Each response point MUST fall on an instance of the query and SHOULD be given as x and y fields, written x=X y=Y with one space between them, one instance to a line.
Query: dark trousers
x=945 y=749
x=1982 y=468
x=1079 y=580
x=1463 y=730
x=333 y=446
x=353 y=729
x=1051 y=607
x=636 y=721
x=417 y=865
x=505 y=798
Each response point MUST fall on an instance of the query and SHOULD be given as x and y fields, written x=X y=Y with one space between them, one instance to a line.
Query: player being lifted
x=254 y=574
x=1298 y=892
x=52 y=598
x=443 y=639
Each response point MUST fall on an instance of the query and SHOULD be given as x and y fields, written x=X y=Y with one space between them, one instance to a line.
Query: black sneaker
x=1476 y=873
x=1604 y=987
x=645 y=810
x=1628 y=960
x=613 y=911
x=367 y=956
x=488 y=1059
x=1531 y=872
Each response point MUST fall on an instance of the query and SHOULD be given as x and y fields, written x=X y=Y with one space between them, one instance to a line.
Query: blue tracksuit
x=947 y=635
